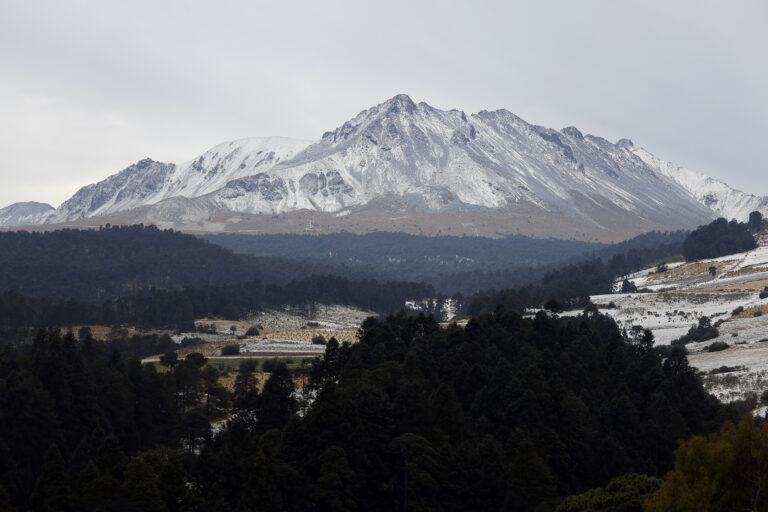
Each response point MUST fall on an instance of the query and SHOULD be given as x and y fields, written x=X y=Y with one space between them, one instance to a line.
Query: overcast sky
x=89 y=87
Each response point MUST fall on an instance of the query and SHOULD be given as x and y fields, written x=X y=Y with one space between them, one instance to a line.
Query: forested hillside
x=117 y=261
x=575 y=282
x=451 y=264
x=70 y=419
x=720 y=238
x=509 y=413
x=177 y=309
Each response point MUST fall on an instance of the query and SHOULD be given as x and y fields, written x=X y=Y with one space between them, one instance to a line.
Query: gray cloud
x=89 y=87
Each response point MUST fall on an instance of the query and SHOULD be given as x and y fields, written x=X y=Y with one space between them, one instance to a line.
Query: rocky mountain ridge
x=421 y=161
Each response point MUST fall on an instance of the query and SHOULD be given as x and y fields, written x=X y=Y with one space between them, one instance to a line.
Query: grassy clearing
x=750 y=312
x=745 y=271
x=752 y=285
x=231 y=364
x=690 y=270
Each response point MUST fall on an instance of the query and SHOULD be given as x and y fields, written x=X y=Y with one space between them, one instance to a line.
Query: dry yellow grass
x=750 y=286
x=228 y=381
x=746 y=271
x=691 y=269
x=101 y=332
x=750 y=312
x=223 y=326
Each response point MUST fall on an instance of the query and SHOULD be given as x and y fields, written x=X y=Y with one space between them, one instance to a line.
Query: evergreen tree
x=140 y=490
x=335 y=488
x=52 y=492
x=276 y=403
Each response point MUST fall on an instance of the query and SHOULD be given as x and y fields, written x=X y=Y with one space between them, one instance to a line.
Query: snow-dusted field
x=675 y=300
x=670 y=314
x=326 y=316
x=269 y=346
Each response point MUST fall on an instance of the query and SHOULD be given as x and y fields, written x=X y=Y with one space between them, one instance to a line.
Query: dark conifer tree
x=52 y=492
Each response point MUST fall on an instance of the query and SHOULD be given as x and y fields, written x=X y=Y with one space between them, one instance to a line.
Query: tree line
x=92 y=266
x=576 y=280
x=720 y=238
x=177 y=309
x=506 y=413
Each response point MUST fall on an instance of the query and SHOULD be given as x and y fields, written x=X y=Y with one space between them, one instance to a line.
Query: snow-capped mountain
x=723 y=200
x=148 y=182
x=433 y=161
x=25 y=214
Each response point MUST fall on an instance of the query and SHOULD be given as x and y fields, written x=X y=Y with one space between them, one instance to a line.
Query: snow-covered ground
x=265 y=345
x=675 y=300
x=444 y=310
x=333 y=316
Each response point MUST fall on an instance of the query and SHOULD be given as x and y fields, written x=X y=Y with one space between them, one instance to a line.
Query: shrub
x=739 y=310
x=718 y=346
x=628 y=286
x=318 y=340
x=758 y=313
x=702 y=332
x=726 y=369
x=625 y=493
x=230 y=350
x=252 y=331
x=721 y=472
x=763 y=294
x=553 y=306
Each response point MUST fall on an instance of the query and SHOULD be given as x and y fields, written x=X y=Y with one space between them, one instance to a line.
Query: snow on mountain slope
x=148 y=182
x=435 y=161
x=716 y=195
x=226 y=162
x=24 y=214
x=444 y=160
x=127 y=189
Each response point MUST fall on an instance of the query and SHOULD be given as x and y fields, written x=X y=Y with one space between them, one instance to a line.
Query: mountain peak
x=434 y=161
x=572 y=131
x=144 y=163
x=400 y=102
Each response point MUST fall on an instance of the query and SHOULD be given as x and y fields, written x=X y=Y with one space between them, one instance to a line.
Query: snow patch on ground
x=675 y=300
